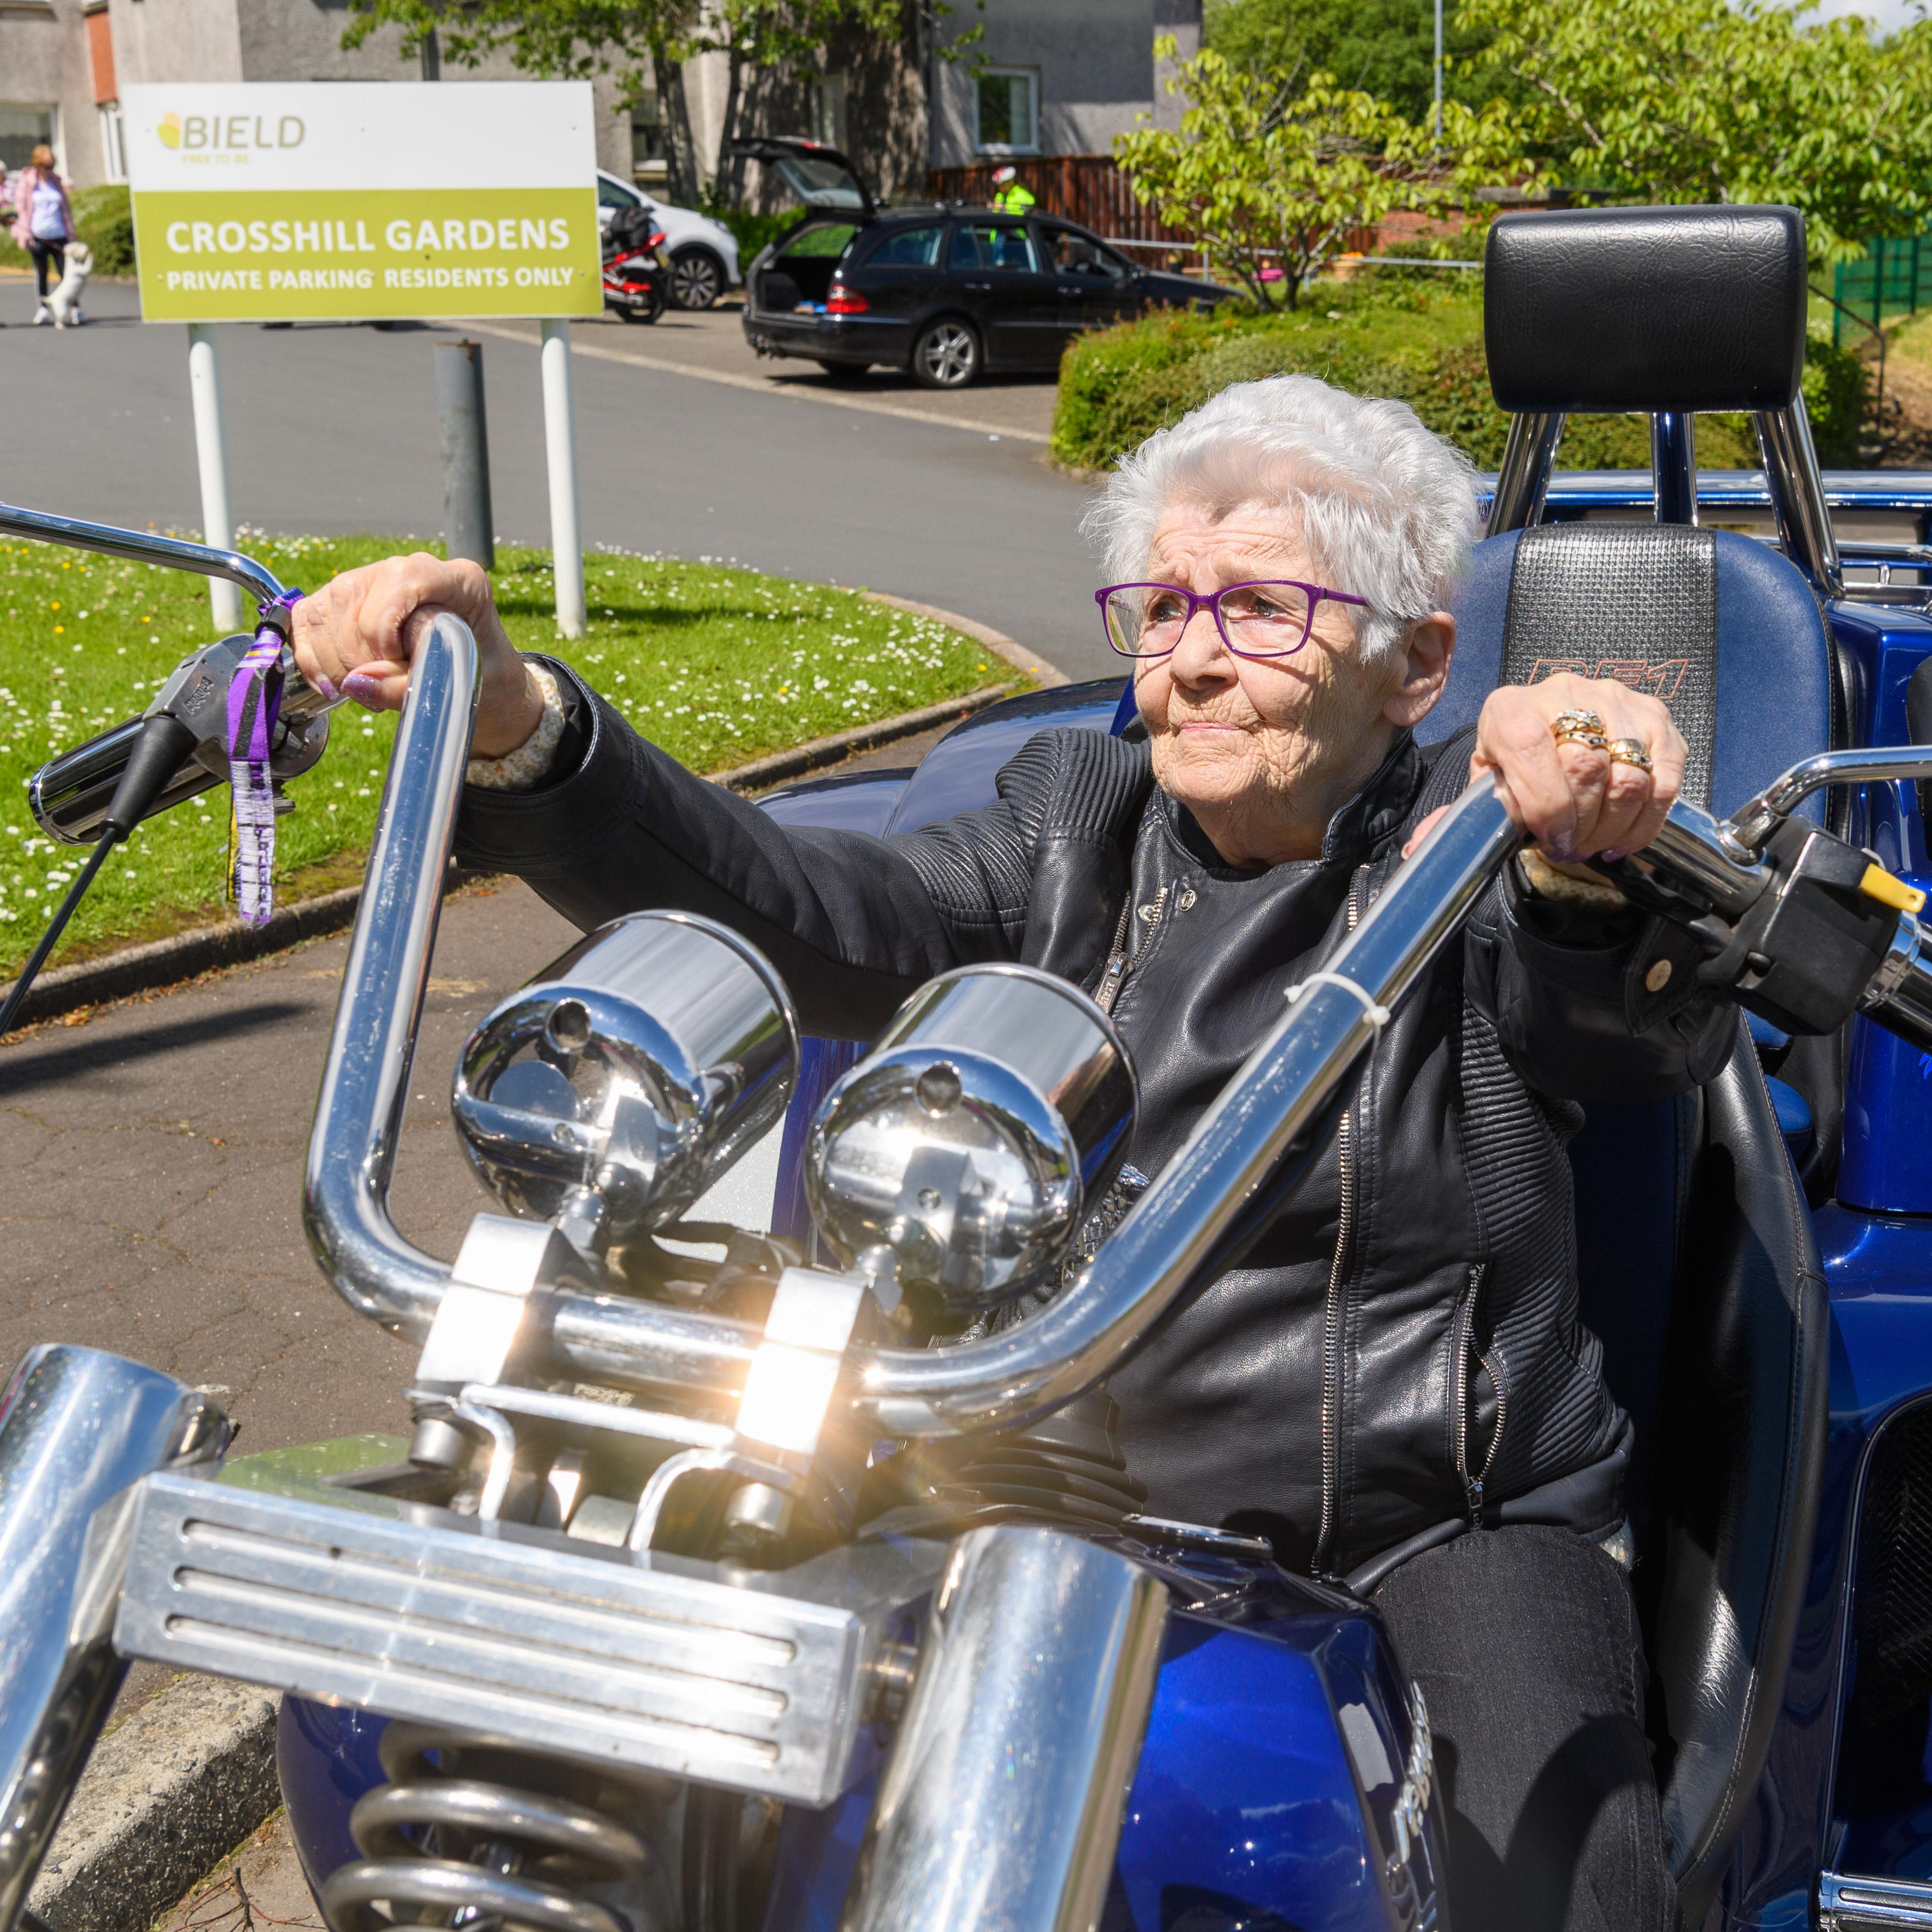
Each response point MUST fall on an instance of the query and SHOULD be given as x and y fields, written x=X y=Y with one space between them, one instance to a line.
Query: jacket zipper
x=1473 y=1480
x=1331 y=1323
x=1118 y=962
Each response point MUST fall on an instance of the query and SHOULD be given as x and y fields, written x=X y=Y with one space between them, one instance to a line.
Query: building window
x=113 y=145
x=22 y=129
x=650 y=154
x=828 y=110
x=1006 y=103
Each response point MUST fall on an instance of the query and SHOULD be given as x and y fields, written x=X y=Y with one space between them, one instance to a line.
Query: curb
x=167 y=962
x=164 y=1797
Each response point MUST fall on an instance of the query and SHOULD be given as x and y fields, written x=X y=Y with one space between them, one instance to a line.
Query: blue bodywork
x=1278 y=1743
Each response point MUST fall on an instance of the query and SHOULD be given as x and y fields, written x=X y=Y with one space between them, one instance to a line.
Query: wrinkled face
x=1261 y=751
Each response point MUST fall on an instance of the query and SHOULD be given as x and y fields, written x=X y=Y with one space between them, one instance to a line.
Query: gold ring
x=1570 y=723
x=1591 y=739
x=1629 y=751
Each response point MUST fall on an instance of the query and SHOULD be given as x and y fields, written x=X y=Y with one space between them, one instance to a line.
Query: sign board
x=273 y=201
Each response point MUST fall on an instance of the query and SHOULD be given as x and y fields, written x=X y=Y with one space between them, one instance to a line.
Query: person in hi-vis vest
x=1011 y=195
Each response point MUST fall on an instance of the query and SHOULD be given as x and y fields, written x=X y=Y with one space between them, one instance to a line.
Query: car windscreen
x=907 y=248
x=614 y=194
x=991 y=244
x=818 y=184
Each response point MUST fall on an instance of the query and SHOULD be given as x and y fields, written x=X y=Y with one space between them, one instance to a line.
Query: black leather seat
x=1699 y=1269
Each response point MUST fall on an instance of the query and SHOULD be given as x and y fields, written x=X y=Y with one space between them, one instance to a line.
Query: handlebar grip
x=71 y=795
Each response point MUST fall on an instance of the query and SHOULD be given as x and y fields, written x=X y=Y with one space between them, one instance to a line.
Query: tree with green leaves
x=1271 y=171
x=1730 y=101
x=643 y=43
x=1383 y=47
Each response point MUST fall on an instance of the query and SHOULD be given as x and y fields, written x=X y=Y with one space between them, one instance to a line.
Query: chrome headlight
x=998 y=1103
x=628 y=1075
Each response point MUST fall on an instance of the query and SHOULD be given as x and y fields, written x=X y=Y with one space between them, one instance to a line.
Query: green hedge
x=1421 y=345
x=103 y=220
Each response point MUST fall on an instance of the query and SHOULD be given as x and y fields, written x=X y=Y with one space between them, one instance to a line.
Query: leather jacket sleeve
x=1587 y=1006
x=1593 y=1006
x=854 y=924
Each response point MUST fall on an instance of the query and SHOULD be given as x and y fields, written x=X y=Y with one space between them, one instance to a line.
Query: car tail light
x=842 y=301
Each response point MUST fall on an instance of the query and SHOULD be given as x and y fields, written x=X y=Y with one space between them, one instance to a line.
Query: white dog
x=65 y=299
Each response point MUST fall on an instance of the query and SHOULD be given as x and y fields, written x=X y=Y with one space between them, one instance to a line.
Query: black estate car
x=945 y=291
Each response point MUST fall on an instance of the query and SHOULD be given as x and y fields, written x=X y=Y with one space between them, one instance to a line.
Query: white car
x=704 y=253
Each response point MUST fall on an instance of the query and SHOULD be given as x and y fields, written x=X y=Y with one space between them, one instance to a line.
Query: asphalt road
x=332 y=427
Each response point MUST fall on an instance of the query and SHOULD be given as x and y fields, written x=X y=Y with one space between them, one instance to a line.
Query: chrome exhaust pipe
x=78 y=1431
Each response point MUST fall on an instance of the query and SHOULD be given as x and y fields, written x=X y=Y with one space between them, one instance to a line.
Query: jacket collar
x=1376 y=813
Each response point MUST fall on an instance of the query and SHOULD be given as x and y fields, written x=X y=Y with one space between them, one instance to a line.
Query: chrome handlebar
x=1178 y=1229
x=1158 y=1250
x=144 y=547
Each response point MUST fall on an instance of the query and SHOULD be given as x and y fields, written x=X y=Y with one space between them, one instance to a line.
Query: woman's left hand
x=1575 y=800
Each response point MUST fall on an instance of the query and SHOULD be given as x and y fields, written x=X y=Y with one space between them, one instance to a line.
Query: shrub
x=103 y=219
x=750 y=229
x=1421 y=346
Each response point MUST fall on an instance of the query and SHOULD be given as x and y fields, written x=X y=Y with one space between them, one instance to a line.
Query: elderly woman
x=1394 y=1385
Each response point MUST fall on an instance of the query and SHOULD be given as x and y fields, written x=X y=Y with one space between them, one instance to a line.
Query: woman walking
x=42 y=222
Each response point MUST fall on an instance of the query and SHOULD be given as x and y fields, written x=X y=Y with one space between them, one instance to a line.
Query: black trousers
x=41 y=252
x=1525 y=1644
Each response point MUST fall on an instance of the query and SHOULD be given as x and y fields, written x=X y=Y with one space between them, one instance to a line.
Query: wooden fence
x=1089 y=189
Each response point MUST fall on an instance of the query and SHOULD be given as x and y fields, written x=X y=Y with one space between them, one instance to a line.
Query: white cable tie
x=1377 y=1016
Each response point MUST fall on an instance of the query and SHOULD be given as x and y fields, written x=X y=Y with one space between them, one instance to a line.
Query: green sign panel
x=265 y=255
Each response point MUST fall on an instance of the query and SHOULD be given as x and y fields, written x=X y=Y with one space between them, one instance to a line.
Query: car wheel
x=697 y=278
x=845 y=372
x=947 y=355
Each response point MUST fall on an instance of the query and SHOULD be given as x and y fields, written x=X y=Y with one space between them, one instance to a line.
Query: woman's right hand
x=357 y=635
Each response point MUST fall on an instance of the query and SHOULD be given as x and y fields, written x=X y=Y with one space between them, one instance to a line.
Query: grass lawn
x=716 y=664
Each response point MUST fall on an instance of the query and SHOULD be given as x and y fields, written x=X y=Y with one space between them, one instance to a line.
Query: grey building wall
x=44 y=64
x=302 y=40
x=165 y=41
x=1095 y=65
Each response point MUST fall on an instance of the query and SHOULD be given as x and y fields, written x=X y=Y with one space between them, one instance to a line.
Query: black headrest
x=1645 y=308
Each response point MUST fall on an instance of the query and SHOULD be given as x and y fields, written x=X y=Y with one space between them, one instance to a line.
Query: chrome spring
x=450 y=1841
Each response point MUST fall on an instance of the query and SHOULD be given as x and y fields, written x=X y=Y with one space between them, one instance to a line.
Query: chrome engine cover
x=761 y=1682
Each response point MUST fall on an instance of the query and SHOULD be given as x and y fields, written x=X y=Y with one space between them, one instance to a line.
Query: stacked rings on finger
x=1580 y=727
x=1629 y=751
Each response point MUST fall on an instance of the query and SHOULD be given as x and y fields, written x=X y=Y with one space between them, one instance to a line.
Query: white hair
x=1386 y=507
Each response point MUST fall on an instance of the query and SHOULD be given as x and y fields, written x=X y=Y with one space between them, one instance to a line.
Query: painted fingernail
x=363 y=688
x=1562 y=851
x=1613 y=853
x=325 y=687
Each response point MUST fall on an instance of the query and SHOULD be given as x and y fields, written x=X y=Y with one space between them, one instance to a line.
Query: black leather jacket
x=1401 y=1351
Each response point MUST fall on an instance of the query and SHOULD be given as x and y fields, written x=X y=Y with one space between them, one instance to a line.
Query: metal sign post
x=211 y=449
x=566 y=545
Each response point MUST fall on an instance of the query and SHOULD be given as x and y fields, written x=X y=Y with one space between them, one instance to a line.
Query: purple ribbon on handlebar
x=254 y=703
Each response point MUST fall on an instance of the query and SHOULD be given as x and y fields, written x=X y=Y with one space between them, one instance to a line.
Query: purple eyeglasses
x=1255 y=620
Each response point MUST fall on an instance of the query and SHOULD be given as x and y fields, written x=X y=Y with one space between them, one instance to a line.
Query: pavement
x=687 y=444
x=260 y=1885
